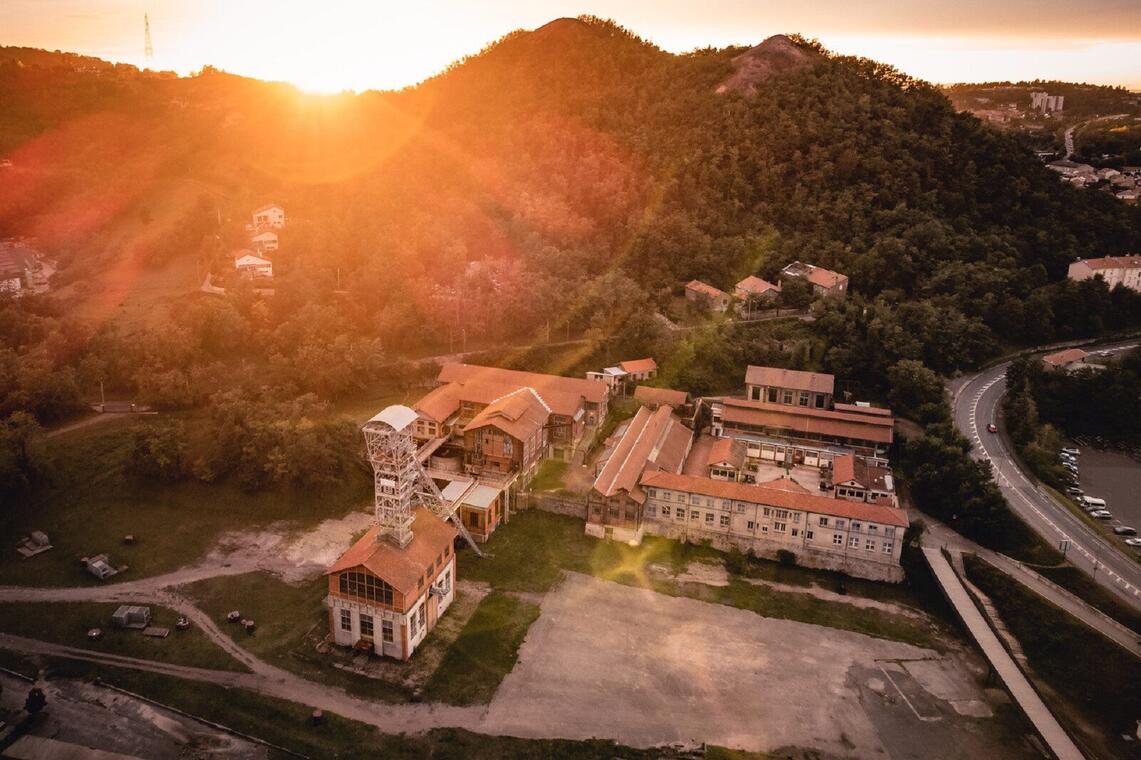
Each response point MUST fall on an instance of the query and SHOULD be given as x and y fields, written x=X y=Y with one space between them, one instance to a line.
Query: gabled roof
x=400 y=568
x=646 y=394
x=799 y=419
x=825 y=278
x=727 y=451
x=817 y=382
x=653 y=441
x=852 y=469
x=520 y=414
x=1112 y=262
x=705 y=288
x=776 y=497
x=1062 y=358
x=249 y=259
x=756 y=286
x=548 y=386
x=268 y=207
x=638 y=365
x=267 y=235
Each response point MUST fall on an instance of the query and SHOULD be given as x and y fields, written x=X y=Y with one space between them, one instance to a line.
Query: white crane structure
x=399 y=480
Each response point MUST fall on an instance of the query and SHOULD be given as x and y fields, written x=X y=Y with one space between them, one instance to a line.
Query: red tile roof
x=697 y=286
x=1114 y=262
x=727 y=450
x=799 y=419
x=817 y=382
x=638 y=365
x=400 y=568
x=559 y=392
x=521 y=414
x=878 y=411
x=777 y=497
x=843 y=468
x=653 y=441
x=1062 y=358
x=657 y=396
x=756 y=286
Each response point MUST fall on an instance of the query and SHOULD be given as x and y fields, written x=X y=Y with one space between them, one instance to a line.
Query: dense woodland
x=569 y=180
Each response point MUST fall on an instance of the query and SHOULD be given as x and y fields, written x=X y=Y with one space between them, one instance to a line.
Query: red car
x=992 y=428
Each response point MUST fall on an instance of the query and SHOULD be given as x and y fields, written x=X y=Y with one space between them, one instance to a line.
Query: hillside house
x=654 y=440
x=639 y=370
x=860 y=539
x=859 y=479
x=264 y=242
x=250 y=264
x=385 y=599
x=824 y=282
x=707 y=296
x=270 y=216
x=1115 y=270
x=1070 y=359
x=789 y=387
x=612 y=377
x=753 y=287
x=13 y=276
x=654 y=397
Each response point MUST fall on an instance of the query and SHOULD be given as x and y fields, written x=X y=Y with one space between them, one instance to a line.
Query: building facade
x=269 y=216
x=789 y=387
x=706 y=295
x=1115 y=270
x=824 y=282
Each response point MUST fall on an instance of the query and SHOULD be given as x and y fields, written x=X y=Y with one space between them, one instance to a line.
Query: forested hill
x=590 y=175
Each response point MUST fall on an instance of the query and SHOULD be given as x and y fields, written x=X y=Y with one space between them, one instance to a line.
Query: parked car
x=1101 y=514
x=1072 y=452
x=1074 y=491
x=1067 y=458
x=1124 y=530
x=1133 y=541
x=992 y=428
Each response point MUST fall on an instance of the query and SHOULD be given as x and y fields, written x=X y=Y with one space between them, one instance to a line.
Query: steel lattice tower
x=148 y=48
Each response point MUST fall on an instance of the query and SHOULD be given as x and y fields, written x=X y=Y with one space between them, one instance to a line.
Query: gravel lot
x=607 y=660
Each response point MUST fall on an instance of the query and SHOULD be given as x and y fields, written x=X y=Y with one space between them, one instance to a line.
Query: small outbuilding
x=131 y=616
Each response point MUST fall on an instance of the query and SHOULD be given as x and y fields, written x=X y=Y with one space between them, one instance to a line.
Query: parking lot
x=611 y=661
x=1116 y=478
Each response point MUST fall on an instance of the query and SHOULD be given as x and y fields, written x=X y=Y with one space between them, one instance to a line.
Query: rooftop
x=649 y=395
x=817 y=382
x=1113 y=262
x=805 y=420
x=400 y=568
x=638 y=365
x=756 y=286
x=1062 y=358
x=520 y=414
x=705 y=288
x=653 y=440
x=545 y=385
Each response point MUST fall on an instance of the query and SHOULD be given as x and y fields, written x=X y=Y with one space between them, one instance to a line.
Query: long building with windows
x=860 y=539
x=384 y=598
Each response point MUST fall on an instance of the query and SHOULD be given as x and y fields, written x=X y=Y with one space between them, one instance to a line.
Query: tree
x=913 y=385
x=159 y=451
x=796 y=293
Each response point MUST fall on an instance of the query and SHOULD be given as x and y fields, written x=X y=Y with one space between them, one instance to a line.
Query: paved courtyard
x=610 y=661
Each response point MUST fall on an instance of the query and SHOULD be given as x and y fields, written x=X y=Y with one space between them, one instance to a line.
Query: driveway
x=607 y=660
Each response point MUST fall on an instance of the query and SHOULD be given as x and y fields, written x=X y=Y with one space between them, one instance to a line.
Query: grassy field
x=550 y=476
x=68 y=623
x=91 y=504
x=286 y=724
x=1095 y=676
x=484 y=653
x=530 y=553
x=291 y=620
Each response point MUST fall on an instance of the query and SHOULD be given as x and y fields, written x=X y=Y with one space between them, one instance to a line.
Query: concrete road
x=976 y=404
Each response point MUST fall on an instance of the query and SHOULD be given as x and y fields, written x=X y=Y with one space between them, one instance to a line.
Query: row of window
x=367 y=629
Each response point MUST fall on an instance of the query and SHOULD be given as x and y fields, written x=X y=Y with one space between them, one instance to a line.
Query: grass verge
x=1095 y=676
x=550 y=476
x=484 y=653
x=68 y=622
x=1078 y=583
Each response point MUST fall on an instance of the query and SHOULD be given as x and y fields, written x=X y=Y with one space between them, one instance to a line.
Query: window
x=764 y=529
x=765 y=511
x=709 y=502
x=804 y=398
x=386 y=630
x=653 y=494
x=772 y=395
x=780 y=527
x=819 y=401
x=740 y=509
x=840 y=524
x=423 y=617
x=780 y=514
x=796 y=517
x=508 y=447
x=346 y=620
x=680 y=513
x=854 y=542
x=681 y=497
x=889 y=532
x=665 y=510
x=694 y=499
x=365 y=586
x=724 y=521
x=873 y=529
x=794 y=532
x=870 y=545
x=888 y=546
x=651 y=510
x=694 y=514
x=412 y=625
x=855 y=525
x=708 y=518
x=808 y=535
x=786 y=396
x=837 y=539
x=366 y=626
x=751 y=525
x=823 y=522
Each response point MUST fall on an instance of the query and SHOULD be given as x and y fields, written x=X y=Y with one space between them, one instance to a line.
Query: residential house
x=250 y=264
x=707 y=296
x=386 y=599
x=613 y=377
x=824 y=282
x=269 y=216
x=639 y=370
x=654 y=397
x=1070 y=359
x=264 y=242
x=654 y=440
x=1115 y=270
x=753 y=291
x=789 y=387
x=726 y=460
x=861 y=479
x=508 y=436
x=860 y=539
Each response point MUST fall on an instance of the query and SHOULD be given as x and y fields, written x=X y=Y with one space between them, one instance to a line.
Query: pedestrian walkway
x=1004 y=666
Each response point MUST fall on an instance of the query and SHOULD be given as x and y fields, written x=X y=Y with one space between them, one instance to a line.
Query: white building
x=1115 y=270
x=265 y=242
x=250 y=264
x=270 y=215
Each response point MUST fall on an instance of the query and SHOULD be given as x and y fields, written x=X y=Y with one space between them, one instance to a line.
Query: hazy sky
x=361 y=44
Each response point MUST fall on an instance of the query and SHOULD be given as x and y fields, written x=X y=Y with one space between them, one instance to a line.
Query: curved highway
x=976 y=403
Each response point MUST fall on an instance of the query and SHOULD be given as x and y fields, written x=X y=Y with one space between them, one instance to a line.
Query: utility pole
x=148 y=48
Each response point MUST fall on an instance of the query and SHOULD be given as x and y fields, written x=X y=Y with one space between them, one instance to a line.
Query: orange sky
x=362 y=44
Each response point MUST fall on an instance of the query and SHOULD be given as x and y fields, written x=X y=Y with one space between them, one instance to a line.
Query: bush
x=785 y=557
x=736 y=562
